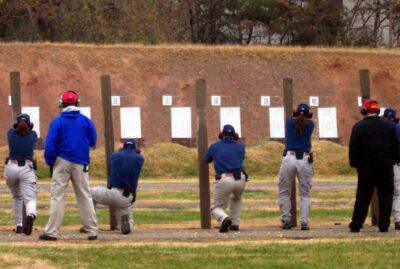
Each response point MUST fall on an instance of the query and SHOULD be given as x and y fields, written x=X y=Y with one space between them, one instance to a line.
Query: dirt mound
x=142 y=74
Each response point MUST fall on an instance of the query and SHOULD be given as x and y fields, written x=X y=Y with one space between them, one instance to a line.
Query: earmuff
x=308 y=115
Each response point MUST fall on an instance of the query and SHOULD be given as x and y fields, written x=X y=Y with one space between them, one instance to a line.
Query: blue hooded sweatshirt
x=227 y=155
x=70 y=137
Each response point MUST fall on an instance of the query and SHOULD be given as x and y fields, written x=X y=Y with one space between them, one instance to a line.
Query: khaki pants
x=63 y=171
x=291 y=167
x=21 y=180
x=228 y=191
x=396 y=196
x=114 y=198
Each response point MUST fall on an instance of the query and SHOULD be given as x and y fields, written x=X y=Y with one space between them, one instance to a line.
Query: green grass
x=360 y=254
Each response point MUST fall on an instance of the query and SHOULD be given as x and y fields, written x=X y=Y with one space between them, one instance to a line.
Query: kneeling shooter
x=297 y=160
x=228 y=155
x=19 y=172
x=120 y=193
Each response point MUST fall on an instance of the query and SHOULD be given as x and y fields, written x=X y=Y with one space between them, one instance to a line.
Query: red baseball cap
x=69 y=97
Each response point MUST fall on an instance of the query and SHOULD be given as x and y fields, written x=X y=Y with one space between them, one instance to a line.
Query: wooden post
x=108 y=133
x=15 y=92
x=202 y=146
x=288 y=105
x=366 y=94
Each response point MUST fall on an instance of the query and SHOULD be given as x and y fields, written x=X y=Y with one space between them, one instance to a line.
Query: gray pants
x=291 y=167
x=114 y=198
x=396 y=196
x=22 y=182
x=228 y=191
x=63 y=171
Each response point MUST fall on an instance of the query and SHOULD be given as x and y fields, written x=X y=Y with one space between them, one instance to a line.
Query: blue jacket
x=126 y=165
x=227 y=155
x=21 y=147
x=295 y=142
x=70 y=137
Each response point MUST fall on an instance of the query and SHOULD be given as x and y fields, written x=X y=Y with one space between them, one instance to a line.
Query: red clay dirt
x=142 y=74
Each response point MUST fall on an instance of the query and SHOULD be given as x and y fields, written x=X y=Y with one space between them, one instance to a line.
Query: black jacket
x=373 y=144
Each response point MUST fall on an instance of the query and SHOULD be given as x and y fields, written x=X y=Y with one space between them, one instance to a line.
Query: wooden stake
x=202 y=146
x=288 y=105
x=108 y=133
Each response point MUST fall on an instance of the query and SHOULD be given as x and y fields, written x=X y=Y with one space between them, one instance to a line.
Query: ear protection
x=61 y=102
x=222 y=137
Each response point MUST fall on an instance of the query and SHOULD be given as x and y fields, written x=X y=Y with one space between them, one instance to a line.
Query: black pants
x=368 y=179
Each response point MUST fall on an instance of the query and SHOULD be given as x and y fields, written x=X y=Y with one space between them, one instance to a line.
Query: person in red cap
x=373 y=150
x=68 y=143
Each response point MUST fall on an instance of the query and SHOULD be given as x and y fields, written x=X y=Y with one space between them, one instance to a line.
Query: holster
x=237 y=174
x=7 y=159
x=284 y=153
x=126 y=193
x=34 y=163
x=299 y=155
x=311 y=158
x=218 y=177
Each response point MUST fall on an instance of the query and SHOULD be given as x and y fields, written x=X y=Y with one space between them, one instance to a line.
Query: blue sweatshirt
x=126 y=165
x=21 y=147
x=227 y=155
x=295 y=142
x=70 y=137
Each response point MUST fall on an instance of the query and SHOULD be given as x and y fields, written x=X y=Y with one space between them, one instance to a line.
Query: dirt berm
x=142 y=74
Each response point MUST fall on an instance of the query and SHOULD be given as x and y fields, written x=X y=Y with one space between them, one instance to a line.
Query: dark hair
x=22 y=128
x=300 y=123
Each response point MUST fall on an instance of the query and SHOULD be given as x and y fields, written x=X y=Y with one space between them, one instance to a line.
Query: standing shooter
x=373 y=150
x=297 y=160
x=390 y=114
x=68 y=143
x=120 y=193
x=228 y=156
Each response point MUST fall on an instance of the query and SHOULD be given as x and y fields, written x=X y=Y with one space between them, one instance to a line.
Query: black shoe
x=30 y=219
x=82 y=230
x=305 y=227
x=225 y=225
x=384 y=229
x=354 y=228
x=18 y=230
x=46 y=237
x=234 y=228
x=397 y=225
x=92 y=237
x=125 y=226
x=287 y=225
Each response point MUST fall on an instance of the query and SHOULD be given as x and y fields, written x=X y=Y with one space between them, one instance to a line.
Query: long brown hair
x=300 y=123
x=22 y=128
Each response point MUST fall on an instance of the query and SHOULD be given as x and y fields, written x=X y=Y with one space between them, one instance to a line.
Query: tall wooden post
x=288 y=105
x=202 y=145
x=108 y=133
x=366 y=94
x=15 y=92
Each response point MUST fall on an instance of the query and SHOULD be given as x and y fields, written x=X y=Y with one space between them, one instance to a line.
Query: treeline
x=275 y=22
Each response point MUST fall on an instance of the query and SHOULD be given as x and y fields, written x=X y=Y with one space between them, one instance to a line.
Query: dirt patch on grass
x=13 y=261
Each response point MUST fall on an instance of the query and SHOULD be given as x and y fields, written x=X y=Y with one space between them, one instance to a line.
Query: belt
x=16 y=161
x=293 y=153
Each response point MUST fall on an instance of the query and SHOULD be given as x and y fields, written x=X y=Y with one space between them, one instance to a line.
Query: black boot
x=287 y=225
x=225 y=225
x=234 y=228
x=18 y=230
x=397 y=225
x=125 y=225
x=46 y=237
x=30 y=219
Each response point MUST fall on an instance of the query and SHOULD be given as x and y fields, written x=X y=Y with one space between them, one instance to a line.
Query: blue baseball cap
x=24 y=117
x=389 y=113
x=130 y=144
x=303 y=109
x=228 y=130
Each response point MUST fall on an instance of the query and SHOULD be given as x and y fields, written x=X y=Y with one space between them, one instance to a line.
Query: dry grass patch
x=13 y=261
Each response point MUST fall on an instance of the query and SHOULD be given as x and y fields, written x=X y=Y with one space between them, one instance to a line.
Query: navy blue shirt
x=397 y=129
x=227 y=155
x=295 y=142
x=125 y=169
x=21 y=147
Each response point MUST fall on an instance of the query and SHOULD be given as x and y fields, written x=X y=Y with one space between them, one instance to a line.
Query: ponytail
x=22 y=128
x=300 y=123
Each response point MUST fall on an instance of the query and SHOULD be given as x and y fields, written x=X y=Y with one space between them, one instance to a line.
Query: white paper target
x=181 y=122
x=265 y=100
x=231 y=115
x=327 y=122
x=382 y=111
x=277 y=122
x=85 y=110
x=34 y=114
x=359 y=101
x=130 y=122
